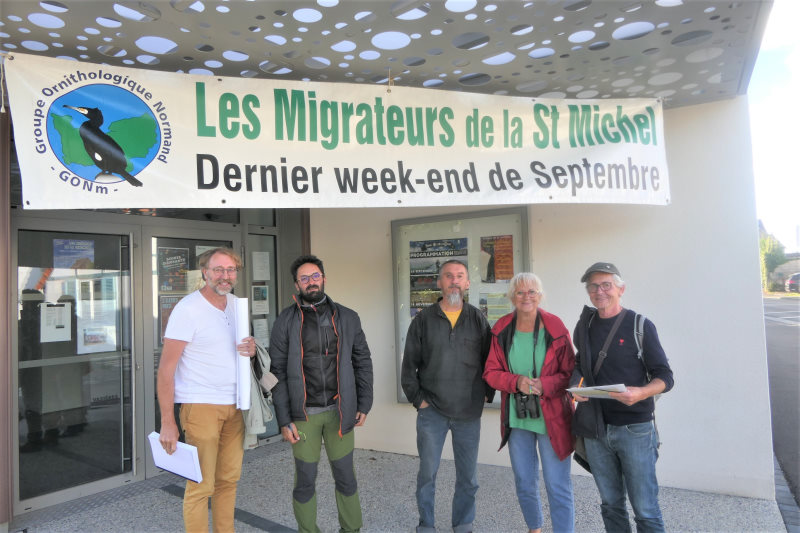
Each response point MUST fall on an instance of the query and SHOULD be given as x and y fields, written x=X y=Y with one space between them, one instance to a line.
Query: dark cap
x=608 y=268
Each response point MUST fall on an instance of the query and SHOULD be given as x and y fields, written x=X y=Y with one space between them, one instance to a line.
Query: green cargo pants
x=324 y=427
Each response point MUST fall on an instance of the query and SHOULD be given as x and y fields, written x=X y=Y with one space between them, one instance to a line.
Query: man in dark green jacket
x=321 y=359
x=446 y=349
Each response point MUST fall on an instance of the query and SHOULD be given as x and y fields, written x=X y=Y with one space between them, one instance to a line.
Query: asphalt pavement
x=782 y=325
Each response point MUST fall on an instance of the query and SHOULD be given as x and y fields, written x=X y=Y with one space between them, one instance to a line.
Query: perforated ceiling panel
x=686 y=52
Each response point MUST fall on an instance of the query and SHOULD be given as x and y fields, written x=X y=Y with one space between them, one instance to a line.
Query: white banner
x=92 y=136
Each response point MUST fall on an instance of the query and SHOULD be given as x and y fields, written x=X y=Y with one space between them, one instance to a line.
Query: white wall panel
x=692 y=267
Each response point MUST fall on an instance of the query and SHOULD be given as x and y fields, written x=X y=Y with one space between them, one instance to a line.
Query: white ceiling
x=686 y=52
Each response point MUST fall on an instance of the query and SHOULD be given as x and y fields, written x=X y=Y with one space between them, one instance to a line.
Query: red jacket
x=559 y=361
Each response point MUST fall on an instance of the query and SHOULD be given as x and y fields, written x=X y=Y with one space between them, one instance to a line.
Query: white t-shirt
x=206 y=372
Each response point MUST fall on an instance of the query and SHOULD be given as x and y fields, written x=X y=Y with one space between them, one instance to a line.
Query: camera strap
x=535 y=339
x=604 y=352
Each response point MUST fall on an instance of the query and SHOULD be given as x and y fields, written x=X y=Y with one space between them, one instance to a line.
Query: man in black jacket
x=321 y=359
x=619 y=433
x=446 y=349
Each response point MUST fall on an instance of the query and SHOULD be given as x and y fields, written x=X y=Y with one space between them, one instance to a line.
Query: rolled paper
x=242 y=362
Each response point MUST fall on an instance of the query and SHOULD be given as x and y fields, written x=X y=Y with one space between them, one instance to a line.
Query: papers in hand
x=183 y=462
x=600 y=391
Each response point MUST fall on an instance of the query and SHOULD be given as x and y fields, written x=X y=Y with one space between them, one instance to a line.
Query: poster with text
x=165 y=306
x=97 y=325
x=425 y=259
x=260 y=300
x=73 y=253
x=173 y=264
x=497 y=258
x=494 y=305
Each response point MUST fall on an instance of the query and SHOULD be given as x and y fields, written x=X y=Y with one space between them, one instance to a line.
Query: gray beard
x=454 y=299
x=222 y=292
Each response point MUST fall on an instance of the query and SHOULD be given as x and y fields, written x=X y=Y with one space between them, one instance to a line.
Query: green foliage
x=775 y=286
x=772 y=255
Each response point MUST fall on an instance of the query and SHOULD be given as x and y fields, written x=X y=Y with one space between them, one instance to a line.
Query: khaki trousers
x=218 y=433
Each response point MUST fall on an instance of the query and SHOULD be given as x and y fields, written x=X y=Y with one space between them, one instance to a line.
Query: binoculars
x=527 y=405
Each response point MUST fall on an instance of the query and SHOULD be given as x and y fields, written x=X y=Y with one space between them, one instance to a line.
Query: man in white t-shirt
x=198 y=371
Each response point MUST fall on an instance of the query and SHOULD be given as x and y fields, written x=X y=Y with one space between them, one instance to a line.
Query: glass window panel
x=260 y=217
x=228 y=216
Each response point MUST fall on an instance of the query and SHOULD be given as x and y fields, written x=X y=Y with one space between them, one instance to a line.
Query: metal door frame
x=133 y=231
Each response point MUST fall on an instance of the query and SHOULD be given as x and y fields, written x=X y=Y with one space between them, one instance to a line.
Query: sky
x=774 y=118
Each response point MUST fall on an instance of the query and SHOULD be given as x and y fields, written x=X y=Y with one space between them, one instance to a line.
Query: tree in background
x=771 y=253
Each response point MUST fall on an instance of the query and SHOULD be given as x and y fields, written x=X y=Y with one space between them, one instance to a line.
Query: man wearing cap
x=619 y=434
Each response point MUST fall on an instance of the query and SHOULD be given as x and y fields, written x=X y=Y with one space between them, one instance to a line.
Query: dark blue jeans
x=432 y=428
x=626 y=459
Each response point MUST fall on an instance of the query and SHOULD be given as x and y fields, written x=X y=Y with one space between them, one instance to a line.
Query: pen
x=580 y=384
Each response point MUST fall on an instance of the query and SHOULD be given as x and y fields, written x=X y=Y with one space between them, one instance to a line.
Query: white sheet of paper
x=56 y=322
x=242 y=363
x=261 y=266
x=184 y=462
x=261 y=331
x=601 y=391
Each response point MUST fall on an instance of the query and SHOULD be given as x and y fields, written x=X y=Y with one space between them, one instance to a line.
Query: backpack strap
x=638 y=335
x=604 y=351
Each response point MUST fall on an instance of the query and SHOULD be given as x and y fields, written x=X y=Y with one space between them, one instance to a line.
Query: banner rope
x=3 y=56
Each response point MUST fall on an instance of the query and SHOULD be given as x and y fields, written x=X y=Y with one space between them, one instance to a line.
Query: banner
x=93 y=136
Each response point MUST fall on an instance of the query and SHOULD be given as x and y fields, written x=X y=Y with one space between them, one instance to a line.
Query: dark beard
x=314 y=295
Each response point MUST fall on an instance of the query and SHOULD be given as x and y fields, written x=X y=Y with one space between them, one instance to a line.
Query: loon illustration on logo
x=104 y=151
x=103 y=134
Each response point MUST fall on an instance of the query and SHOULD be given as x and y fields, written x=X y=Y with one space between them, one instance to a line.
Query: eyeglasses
x=530 y=293
x=308 y=279
x=231 y=271
x=595 y=287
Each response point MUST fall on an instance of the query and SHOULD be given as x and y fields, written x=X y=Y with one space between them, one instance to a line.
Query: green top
x=521 y=362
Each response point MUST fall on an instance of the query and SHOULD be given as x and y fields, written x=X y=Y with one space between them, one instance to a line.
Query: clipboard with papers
x=184 y=462
x=600 y=391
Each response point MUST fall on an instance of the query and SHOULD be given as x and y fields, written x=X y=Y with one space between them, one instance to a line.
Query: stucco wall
x=692 y=267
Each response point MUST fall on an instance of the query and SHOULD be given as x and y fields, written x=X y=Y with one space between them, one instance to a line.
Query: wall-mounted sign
x=73 y=253
x=96 y=136
x=56 y=322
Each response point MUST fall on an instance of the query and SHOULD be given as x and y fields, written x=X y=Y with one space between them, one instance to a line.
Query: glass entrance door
x=74 y=354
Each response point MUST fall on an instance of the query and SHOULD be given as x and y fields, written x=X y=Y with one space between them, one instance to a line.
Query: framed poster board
x=493 y=244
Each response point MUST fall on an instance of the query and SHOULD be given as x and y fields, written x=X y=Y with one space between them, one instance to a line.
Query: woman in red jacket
x=530 y=363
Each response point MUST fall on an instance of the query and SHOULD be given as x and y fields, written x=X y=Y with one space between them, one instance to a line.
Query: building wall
x=692 y=267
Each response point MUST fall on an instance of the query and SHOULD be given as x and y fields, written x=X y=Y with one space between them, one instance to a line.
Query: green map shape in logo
x=136 y=135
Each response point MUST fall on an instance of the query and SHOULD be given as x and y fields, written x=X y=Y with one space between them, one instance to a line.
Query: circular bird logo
x=103 y=133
